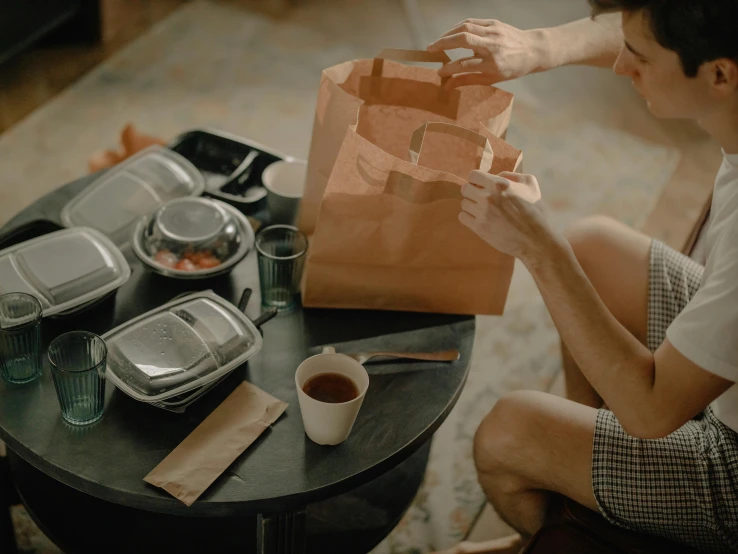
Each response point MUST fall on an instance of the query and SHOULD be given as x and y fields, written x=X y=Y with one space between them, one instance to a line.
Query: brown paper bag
x=215 y=444
x=388 y=235
x=387 y=102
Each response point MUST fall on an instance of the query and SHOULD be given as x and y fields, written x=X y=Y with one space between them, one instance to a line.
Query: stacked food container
x=151 y=206
x=170 y=356
x=67 y=271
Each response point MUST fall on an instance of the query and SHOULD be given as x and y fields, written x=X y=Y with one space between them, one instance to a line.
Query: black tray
x=232 y=166
x=28 y=231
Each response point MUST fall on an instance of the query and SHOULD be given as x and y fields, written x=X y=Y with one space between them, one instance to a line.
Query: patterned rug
x=219 y=64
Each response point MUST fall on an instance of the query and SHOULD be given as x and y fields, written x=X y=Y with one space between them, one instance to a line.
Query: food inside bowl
x=192 y=238
x=189 y=261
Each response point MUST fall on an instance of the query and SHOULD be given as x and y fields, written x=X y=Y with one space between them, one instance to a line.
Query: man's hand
x=505 y=211
x=501 y=52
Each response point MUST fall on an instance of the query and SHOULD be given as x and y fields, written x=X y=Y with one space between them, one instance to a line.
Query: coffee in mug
x=332 y=388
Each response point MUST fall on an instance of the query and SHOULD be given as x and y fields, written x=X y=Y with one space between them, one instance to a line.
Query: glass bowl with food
x=193 y=238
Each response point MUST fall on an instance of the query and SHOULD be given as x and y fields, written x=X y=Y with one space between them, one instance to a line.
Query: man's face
x=657 y=73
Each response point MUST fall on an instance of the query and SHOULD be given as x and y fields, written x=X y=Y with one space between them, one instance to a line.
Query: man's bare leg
x=530 y=445
x=616 y=260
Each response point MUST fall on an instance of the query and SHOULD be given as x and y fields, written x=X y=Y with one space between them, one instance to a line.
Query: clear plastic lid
x=180 y=346
x=181 y=402
x=64 y=269
x=193 y=238
x=116 y=201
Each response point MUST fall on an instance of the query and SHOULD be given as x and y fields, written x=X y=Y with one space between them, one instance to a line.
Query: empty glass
x=281 y=252
x=20 y=337
x=78 y=362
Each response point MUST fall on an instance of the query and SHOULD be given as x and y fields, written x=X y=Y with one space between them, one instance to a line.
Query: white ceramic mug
x=326 y=423
x=284 y=182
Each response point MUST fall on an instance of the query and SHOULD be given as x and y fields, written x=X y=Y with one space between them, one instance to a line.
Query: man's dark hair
x=698 y=31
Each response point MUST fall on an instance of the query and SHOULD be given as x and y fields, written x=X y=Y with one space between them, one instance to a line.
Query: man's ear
x=725 y=75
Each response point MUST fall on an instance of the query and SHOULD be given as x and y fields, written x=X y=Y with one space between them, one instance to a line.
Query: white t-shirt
x=706 y=331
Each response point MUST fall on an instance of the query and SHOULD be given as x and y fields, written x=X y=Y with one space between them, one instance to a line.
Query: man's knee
x=501 y=438
x=591 y=237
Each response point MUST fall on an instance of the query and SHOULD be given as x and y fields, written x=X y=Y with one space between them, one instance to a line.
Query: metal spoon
x=363 y=357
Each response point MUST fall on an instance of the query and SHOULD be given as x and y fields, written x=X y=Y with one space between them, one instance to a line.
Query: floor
x=39 y=75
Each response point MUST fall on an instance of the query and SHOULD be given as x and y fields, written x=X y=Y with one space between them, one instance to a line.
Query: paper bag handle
x=400 y=55
x=416 y=142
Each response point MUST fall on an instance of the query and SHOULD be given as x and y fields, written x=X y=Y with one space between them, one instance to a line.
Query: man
x=646 y=332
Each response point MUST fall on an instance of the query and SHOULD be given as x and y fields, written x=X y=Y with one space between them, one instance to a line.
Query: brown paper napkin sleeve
x=215 y=444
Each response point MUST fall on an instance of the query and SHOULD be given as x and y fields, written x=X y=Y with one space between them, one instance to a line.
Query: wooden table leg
x=281 y=533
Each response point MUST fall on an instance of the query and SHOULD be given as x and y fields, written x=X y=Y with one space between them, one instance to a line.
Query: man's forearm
x=595 y=42
x=618 y=366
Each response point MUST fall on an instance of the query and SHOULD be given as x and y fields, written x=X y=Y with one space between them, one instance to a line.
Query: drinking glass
x=281 y=252
x=20 y=337
x=78 y=360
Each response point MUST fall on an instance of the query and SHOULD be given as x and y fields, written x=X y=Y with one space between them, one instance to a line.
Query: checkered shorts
x=684 y=486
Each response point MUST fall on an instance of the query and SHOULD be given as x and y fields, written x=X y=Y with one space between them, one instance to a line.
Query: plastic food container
x=232 y=166
x=116 y=201
x=181 y=402
x=184 y=346
x=193 y=238
x=66 y=270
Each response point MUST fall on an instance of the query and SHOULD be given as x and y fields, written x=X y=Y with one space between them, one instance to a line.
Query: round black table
x=85 y=485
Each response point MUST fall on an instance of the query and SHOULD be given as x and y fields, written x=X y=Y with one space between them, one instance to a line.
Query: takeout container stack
x=150 y=203
x=170 y=356
x=68 y=271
